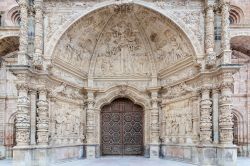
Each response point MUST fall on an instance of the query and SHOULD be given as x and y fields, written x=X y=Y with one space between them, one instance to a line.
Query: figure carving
x=59 y=89
x=68 y=124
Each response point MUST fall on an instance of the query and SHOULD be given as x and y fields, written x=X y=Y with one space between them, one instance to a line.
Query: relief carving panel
x=67 y=123
x=178 y=117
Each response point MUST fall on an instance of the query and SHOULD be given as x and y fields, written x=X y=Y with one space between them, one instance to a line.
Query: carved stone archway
x=197 y=48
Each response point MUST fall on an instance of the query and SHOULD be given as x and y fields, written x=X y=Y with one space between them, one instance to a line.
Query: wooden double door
x=122 y=128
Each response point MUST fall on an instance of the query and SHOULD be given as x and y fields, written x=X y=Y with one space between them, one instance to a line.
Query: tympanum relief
x=123 y=41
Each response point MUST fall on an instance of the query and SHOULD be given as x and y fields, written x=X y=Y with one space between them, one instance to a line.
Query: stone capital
x=22 y=87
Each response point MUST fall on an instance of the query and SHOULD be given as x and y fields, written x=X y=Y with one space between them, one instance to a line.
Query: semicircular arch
x=123 y=91
x=196 y=47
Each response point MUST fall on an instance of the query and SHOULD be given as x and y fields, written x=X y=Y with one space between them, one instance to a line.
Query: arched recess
x=131 y=93
x=9 y=45
x=10 y=136
x=236 y=15
x=56 y=37
x=13 y=15
x=239 y=129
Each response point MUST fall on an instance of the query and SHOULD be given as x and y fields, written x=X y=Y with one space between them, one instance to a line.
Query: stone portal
x=122 y=128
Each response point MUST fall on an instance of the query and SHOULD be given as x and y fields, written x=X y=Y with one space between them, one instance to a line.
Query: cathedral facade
x=156 y=78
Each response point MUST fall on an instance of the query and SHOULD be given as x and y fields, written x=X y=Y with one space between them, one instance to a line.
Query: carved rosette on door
x=122 y=128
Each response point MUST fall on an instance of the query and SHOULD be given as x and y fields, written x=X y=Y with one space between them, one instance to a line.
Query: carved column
x=23 y=38
x=23 y=117
x=195 y=118
x=225 y=40
x=205 y=116
x=227 y=152
x=163 y=124
x=33 y=96
x=225 y=108
x=42 y=118
x=155 y=133
x=37 y=60
x=90 y=148
x=215 y=98
x=209 y=35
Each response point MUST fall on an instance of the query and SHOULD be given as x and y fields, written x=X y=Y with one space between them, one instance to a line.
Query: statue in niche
x=76 y=126
x=69 y=122
x=188 y=125
x=59 y=124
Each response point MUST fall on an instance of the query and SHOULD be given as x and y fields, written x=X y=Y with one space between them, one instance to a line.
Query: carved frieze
x=66 y=91
x=179 y=90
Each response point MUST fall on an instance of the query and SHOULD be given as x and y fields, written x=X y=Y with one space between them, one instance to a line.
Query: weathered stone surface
x=76 y=56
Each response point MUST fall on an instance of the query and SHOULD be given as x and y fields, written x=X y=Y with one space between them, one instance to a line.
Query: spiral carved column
x=23 y=37
x=225 y=38
x=225 y=107
x=23 y=116
x=205 y=117
x=37 y=60
x=43 y=118
x=209 y=35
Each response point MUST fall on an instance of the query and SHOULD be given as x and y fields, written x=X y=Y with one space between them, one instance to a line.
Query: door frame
x=143 y=127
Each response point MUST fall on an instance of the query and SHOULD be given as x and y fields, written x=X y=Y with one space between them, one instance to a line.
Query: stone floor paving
x=124 y=161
